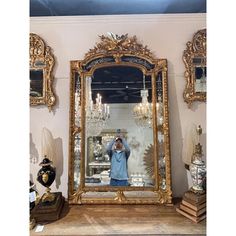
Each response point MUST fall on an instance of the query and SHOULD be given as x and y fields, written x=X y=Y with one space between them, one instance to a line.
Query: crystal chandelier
x=96 y=114
x=142 y=112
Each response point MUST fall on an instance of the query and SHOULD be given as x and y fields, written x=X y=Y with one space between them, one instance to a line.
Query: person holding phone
x=119 y=152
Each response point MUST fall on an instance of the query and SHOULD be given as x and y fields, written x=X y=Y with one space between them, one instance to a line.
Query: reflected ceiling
x=119 y=84
x=114 y=7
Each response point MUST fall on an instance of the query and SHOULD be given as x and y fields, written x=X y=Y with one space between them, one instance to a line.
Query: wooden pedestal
x=44 y=212
x=193 y=206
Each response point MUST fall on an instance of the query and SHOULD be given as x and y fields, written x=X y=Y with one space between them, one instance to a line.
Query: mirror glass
x=36 y=83
x=160 y=132
x=117 y=90
x=77 y=136
x=200 y=79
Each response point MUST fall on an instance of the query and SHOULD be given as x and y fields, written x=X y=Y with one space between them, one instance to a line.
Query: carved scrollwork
x=76 y=197
x=120 y=196
x=41 y=61
x=164 y=197
x=199 y=41
x=194 y=58
x=123 y=43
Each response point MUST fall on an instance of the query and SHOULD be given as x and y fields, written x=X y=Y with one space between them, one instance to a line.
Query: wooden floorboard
x=122 y=220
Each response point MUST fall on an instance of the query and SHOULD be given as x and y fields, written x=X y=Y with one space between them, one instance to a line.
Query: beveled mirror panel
x=112 y=95
x=41 y=66
x=194 y=58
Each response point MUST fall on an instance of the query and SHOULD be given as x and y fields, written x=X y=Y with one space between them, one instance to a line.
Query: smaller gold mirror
x=194 y=58
x=41 y=65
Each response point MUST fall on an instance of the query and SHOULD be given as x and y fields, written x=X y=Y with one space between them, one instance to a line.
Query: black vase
x=46 y=176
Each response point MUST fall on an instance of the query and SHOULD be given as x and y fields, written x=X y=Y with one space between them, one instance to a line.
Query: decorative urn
x=198 y=168
x=46 y=176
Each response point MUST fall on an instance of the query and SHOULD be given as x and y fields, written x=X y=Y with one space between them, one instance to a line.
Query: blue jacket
x=118 y=161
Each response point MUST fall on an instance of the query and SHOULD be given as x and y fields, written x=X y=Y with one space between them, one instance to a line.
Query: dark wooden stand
x=193 y=206
x=48 y=211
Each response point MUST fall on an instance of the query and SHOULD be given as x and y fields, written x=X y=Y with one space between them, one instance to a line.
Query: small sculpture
x=33 y=200
x=46 y=176
x=98 y=152
x=33 y=195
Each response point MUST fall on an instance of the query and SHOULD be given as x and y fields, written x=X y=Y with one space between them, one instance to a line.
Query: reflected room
x=200 y=79
x=119 y=103
x=36 y=83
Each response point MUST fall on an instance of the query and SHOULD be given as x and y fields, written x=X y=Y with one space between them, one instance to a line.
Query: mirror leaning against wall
x=119 y=125
x=41 y=66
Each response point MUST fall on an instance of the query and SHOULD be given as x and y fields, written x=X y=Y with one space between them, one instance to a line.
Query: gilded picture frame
x=125 y=51
x=194 y=58
x=41 y=63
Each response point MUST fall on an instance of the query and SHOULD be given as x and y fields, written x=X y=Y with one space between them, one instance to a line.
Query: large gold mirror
x=194 y=58
x=41 y=65
x=119 y=127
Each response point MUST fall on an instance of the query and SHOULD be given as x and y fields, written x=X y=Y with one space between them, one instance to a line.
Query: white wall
x=71 y=37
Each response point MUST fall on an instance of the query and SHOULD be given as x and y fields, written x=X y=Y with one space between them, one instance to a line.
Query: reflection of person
x=119 y=155
x=200 y=79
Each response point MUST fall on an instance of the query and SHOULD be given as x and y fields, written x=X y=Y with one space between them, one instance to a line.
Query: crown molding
x=149 y=18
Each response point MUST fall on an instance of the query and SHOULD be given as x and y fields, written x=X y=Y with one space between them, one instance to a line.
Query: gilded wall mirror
x=118 y=91
x=41 y=66
x=194 y=58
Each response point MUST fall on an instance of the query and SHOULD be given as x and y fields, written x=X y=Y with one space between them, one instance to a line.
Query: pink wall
x=71 y=37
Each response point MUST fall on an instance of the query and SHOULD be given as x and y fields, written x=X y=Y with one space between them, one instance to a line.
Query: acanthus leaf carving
x=123 y=43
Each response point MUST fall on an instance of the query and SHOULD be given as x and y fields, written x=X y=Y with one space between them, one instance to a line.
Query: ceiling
x=116 y=84
x=119 y=84
x=114 y=7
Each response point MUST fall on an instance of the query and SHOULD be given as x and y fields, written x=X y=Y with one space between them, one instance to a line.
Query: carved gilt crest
x=114 y=43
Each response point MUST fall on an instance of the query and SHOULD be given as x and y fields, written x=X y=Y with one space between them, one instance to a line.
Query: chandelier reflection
x=97 y=113
x=142 y=112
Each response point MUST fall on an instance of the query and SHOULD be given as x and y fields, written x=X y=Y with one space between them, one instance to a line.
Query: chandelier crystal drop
x=97 y=113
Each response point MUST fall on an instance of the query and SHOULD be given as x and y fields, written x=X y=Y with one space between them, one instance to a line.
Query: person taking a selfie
x=119 y=152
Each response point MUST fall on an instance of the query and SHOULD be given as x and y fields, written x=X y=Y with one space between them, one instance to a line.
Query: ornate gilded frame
x=126 y=51
x=41 y=58
x=194 y=56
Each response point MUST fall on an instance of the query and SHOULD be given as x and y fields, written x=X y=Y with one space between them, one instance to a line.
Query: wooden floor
x=122 y=220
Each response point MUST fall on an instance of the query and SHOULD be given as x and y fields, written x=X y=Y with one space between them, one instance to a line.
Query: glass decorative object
x=142 y=112
x=46 y=176
x=197 y=167
x=96 y=114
